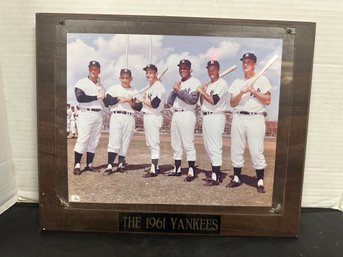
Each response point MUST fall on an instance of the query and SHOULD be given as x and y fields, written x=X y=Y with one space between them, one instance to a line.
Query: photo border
x=57 y=213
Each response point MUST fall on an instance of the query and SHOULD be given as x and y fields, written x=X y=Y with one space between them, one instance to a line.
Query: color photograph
x=167 y=119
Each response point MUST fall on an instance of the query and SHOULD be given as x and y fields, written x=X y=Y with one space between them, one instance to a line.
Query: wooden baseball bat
x=141 y=91
x=164 y=71
x=225 y=72
x=266 y=67
x=147 y=87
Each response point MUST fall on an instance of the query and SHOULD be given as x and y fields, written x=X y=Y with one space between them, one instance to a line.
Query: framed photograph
x=171 y=124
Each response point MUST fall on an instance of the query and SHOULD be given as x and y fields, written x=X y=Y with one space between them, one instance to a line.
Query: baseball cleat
x=151 y=169
x=260 y=189
x=108 y=170
x=149 y=175
x=121 y=170
x=212 y=183
x=207 y=179
x=90 y=168
x=233 y=184
x=175 y=172
x=189 y=178
x=77 y=171
x=152 y=172
x=191 y=175
x=121 y=167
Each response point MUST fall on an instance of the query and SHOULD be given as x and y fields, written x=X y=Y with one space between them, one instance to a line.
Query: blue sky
x=116 y=51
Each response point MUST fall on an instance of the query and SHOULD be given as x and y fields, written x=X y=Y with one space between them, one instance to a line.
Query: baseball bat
x=100 y=86
x=266 y=67
x=147 y=87
x=225 y=72
x=141 y=91
x=164 y=71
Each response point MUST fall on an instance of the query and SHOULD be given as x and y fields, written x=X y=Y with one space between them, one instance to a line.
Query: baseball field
x=131 y=187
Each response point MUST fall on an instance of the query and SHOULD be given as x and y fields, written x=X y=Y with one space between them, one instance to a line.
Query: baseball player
x=122 y=122
x=90 y=94
x=76 y=115
x=182 y=100
x=248 y=122
x=68 y=119
x=214 y=103
x=72 y=131
x=153 y=103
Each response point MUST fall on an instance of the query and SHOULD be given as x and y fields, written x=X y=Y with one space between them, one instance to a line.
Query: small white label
x=75 y=198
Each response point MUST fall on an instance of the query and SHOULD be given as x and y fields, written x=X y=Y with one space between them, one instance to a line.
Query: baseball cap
x=186 y=62
x=213 y=63
x=150 y=66
x=250 y=56
x=94 y=63
x=125 y=71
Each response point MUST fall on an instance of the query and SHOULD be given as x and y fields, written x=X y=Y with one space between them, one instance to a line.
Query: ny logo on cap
x=94 y=63
x=185 y=62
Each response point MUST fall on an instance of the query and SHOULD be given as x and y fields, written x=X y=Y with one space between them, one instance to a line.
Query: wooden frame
x=279 y=219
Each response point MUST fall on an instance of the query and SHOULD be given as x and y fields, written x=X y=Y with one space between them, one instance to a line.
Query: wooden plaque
x=128 y=203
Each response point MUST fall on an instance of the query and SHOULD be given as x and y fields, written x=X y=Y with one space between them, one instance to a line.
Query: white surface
x=8 y=191
x=323 y=185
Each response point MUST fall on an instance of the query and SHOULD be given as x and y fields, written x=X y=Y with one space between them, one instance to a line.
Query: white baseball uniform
x=90 y=116
x=213 y=123
x=248 y=124
x=122 y=122
x=183 y=105
x=73 y=122
x=76 y=115
x=153 y=118
x=69 y=113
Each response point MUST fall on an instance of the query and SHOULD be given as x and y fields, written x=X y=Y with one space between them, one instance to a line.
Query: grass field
x=131 y=187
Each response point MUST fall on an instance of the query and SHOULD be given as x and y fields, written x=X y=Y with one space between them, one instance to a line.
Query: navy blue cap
x=185 y=62
x=250 y=56
x=94 y=63
x=125 y=71
x=213 y=63
x=150 y=66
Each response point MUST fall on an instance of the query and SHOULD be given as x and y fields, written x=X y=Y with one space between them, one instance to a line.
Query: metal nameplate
x=169 y=223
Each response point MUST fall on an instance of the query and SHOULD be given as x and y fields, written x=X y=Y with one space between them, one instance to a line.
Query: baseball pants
x=213 y=128
x=182 y=135
x=152 y=125
x=90 y=124
x=121 y=130
x=248 y=129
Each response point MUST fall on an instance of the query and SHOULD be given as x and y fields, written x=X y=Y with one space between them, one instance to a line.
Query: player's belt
x=123 y=112
x=207 y=113
x=250 y=113
x=93 y=110
x=179 y=110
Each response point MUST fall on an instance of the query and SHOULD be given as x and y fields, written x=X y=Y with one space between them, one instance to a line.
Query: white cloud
x=225 y=49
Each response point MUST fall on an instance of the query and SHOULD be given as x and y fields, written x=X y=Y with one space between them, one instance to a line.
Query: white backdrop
x=323 y=184
x=8 y=191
